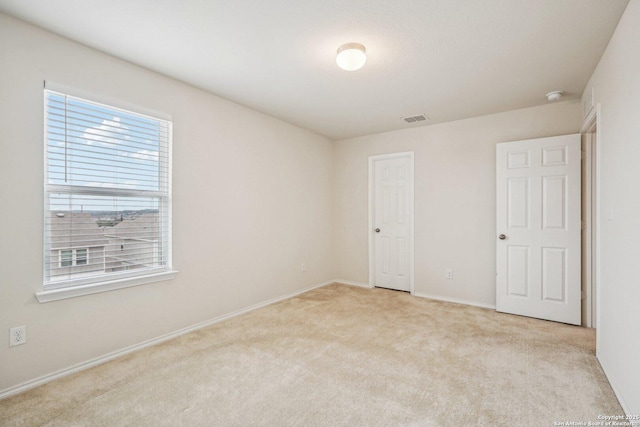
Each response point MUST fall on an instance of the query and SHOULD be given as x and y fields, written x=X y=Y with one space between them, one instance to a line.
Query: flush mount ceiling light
x=555 y=95
x=351 y=56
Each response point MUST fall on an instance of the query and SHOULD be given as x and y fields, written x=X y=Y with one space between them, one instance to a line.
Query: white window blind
x=107 y=193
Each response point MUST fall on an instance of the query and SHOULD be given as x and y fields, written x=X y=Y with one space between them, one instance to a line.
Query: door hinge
x=583 y=225
x=583 y=155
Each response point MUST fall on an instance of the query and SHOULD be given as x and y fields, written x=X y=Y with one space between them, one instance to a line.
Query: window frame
x=104 y=282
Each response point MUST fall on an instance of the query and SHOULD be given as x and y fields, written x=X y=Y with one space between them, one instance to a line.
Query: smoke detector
x=555 y=95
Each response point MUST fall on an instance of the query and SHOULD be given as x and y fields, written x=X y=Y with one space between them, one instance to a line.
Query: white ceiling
x=448 y=59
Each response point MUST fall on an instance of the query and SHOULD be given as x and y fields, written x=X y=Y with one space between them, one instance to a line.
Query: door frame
x=410 y=208
x=592 y=220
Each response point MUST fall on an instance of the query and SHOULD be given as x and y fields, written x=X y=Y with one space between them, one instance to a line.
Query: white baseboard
x=455 y=300
x=113 y=355
x=352 y=283
x=421 y=295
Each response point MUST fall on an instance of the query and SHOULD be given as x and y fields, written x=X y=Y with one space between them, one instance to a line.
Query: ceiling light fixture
x=555 y=95
x=351 y=56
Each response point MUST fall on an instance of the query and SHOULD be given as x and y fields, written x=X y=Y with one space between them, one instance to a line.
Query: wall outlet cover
x=17 y=335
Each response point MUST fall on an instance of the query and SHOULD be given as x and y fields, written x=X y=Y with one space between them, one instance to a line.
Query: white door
x=538 y=228
x=392 y=221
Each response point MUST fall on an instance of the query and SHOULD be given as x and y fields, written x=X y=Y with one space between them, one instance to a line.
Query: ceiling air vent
x=413 y=119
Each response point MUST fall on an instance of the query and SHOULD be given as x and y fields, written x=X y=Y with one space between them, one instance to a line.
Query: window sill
x=94 y=288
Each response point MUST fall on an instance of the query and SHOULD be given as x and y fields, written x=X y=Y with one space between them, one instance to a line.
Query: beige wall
x=616 y=84
x=252 y=201
x=454 y=197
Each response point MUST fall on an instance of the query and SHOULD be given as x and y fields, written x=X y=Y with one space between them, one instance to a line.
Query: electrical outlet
x=17 y=335
x=303 y=267
x=449 y=274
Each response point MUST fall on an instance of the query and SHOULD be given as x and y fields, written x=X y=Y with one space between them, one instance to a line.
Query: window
x=66 y=258
x=71 y=257
x=107 y=194
x=81 y=257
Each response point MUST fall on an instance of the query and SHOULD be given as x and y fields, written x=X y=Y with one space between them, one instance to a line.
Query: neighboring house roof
x=74 y=229
x=80 y=229
x=142 y=227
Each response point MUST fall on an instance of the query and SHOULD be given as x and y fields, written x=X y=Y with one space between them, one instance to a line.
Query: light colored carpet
x=340 y=355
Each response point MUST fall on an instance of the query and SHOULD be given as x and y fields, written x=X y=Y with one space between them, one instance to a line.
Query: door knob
x=502 y=237
x=377 y=230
